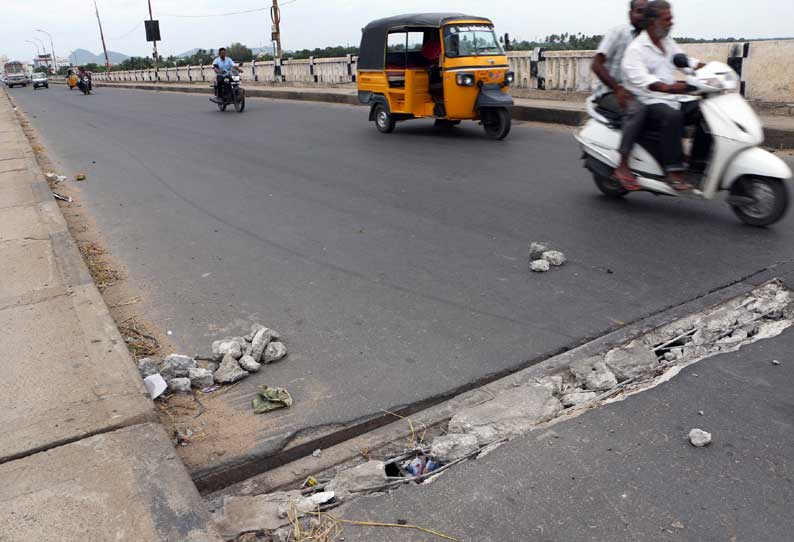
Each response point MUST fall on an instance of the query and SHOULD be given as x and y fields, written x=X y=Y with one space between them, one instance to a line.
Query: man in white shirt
x=611 y=95
x=221 y=65
x=649 y=74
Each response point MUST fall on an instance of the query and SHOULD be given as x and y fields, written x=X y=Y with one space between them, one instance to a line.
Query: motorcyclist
x=222 y=65
x=610 y=94
x=649 y=73
x=83 y=73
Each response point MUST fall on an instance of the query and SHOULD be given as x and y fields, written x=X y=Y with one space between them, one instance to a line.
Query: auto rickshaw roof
x=374 y=36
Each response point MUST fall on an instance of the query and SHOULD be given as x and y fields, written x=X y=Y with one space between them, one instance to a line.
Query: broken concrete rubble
x=554 y=257
x=539 y=266
x=536 y=251
x=369 y=475
x=177 y=366
x=249 y=364
x=576 y=398
x=148 y=367
x=200 y=378
x=226 y=346
x=510 y=414
x=631 y=361
x=178 y=385
x=451 y=447
x=593 y=374
x=255 y=513
x=275 y=351
x=230 y=371
x=699 y=438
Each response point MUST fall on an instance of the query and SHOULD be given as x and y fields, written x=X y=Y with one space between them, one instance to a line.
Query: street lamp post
x=36 y=45
x=52 y=48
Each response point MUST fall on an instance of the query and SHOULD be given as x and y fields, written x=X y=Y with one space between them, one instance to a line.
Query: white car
x=40 y=80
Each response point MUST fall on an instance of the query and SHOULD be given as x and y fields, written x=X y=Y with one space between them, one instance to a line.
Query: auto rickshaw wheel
x=496 y=122
x=383 y=119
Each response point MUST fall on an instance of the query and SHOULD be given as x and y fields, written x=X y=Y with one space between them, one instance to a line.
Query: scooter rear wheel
x=771 y=200
x=609 y=186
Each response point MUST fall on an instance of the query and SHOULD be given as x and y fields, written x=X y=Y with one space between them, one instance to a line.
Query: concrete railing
x=340 y=70
x=763 y=65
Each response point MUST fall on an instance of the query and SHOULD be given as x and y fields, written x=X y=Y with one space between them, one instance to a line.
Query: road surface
x=395 y=266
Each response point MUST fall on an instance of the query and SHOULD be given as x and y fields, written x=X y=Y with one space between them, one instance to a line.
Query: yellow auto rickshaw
x=446 y=66
x=72 y=78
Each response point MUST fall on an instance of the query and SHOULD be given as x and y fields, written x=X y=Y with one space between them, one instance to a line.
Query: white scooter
x=750 y=179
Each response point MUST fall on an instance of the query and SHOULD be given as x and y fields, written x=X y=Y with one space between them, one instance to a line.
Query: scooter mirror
x=681 y=60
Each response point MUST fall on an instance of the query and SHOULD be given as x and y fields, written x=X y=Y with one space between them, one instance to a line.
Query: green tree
x=41 y=69
x=239 y=52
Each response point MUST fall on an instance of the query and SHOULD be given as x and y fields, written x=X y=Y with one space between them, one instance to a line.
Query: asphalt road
x=626 y=471
x=395 y=266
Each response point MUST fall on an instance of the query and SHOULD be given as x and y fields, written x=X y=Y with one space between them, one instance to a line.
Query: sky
x=308 y=24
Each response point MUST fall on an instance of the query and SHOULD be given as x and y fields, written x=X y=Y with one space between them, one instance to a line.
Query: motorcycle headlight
x=510 y=78
x=235 y=78
x=465 y=79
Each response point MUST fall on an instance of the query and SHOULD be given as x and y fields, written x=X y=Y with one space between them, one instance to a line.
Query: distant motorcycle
x=85 y=84
x=230 y=92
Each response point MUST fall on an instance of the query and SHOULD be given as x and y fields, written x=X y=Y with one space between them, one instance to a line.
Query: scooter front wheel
x=609 y=186
x=770 y=200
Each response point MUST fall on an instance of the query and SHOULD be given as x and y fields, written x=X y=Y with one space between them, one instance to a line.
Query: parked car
x=40 y=80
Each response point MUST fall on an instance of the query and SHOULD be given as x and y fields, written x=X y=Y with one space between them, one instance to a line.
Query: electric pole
x=275 y=17
x=154 y=55
x=52 y=48
x=102 y=35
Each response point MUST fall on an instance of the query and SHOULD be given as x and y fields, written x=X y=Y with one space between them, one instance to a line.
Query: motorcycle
x=230 y=92
x=85 y=84
x=750 y=179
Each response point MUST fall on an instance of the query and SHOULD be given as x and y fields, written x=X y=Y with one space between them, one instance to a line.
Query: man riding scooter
x=221 y=65
x=611 y=95
x=649 y=74
x=83 y=78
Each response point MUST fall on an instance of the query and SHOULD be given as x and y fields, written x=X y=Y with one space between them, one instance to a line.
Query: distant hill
x=83 y=56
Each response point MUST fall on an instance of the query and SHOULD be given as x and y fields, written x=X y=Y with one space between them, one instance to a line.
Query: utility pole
x=275 y=17
x=156 y=72
x=36 y=45
x=52 y=49
x=102 y=35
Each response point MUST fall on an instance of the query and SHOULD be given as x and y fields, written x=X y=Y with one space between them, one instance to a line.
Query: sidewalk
x=626 y=471
x=81 y=455
x=779 y=130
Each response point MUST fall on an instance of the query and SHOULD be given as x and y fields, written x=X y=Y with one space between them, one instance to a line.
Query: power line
x=214 y=14
x=124 y=35
x=223 y=14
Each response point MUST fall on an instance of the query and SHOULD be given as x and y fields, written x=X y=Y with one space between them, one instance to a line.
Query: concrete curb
x=774 y=137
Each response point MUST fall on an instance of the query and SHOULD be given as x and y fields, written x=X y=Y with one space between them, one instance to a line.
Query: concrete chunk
x=365 y=476
x=593 y=374
x=510 y=414
x=126 y=485
x=448 y=448
x=176 y=366
x=631 y=361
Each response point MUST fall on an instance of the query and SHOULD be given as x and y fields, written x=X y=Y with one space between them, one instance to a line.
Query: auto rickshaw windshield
x=471 y=40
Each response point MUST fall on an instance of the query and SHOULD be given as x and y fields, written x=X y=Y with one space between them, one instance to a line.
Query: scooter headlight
x=510 y=78
x=465 y=79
